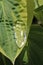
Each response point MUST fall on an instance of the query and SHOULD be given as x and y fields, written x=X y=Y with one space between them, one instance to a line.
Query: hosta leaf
x=38 y=3
x=36 y=45
x=39 y=13
x=13 y=26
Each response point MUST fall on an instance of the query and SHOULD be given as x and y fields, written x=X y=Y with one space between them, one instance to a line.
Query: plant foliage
x=13 y=27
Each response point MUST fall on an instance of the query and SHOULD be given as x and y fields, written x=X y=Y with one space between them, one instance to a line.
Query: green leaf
x=13 y=26
x=38 y=3
x=34 y=49
x=39 y=13
x=36 y=45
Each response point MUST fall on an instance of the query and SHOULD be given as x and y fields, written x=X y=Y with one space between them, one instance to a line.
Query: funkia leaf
x=13 y=26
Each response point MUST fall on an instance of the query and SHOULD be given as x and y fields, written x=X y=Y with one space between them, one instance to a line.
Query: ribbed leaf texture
x=13 y=26
x=36 y=45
